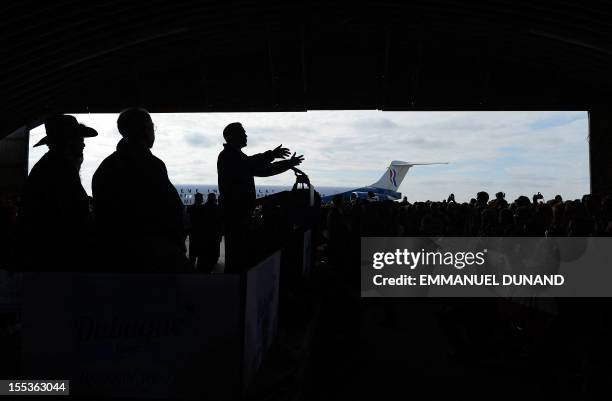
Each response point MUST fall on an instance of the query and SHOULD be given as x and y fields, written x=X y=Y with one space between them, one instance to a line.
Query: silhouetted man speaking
x=237 y=187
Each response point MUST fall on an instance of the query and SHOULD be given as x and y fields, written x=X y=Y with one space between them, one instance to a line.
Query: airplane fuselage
x=366 y=193
x=187 y=191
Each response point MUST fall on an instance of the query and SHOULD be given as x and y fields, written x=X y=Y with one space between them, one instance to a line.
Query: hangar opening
x=515 y=152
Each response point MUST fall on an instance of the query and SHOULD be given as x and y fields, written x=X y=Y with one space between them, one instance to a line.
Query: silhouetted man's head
x=71 y=149
x=522 y=201
x=212 y=198
x=482 y=198
x=199 y=198
x=136 y=125
x=235 y=135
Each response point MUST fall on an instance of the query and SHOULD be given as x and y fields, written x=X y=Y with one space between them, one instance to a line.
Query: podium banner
x=135 y=335
x=261 y=313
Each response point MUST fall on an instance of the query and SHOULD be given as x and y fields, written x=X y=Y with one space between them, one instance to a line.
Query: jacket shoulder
x=158 y=162
x=108 y=163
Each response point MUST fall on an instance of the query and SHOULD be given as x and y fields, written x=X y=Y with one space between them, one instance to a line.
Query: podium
x=179 y=336
x=291 y=217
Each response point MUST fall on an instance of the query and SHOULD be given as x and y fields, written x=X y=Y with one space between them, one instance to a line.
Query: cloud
x=374 y=123
x=557 y=120
x=426 y=143
x=196 y=139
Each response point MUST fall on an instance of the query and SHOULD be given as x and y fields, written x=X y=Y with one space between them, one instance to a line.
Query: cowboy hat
x=63 y=127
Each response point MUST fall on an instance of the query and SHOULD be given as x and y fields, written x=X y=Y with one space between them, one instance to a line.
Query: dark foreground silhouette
x=148 y=236
x=331 y=343
x=54 y=219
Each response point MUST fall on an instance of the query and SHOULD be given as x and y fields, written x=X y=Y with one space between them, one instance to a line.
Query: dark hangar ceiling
x=178 y=56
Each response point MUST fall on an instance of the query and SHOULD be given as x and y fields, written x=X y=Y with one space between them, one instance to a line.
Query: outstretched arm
x=262 y=160
x=271 y=169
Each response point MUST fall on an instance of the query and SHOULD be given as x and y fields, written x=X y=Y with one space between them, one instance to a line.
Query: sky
x=519 y=153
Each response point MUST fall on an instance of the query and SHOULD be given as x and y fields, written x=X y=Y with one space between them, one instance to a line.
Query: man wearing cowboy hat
x=54 y=213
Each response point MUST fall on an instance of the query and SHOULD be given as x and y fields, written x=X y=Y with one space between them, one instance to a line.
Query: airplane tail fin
x=393 y=177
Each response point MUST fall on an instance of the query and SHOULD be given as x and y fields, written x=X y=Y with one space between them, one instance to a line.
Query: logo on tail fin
x=392 y=176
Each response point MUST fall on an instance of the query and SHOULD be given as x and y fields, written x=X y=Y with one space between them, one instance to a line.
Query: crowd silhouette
x=205 y=232
x=346 y=222
x=69 y=230
x=55 y=226
x=589 y=216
